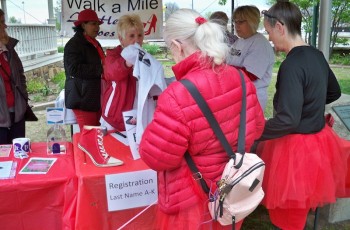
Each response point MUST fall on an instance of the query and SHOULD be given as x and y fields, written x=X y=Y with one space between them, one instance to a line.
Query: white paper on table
x=130 y=127
x=131 y=189
x=5 y=169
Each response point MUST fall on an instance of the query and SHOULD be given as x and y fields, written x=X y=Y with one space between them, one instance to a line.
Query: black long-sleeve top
x=305 y=84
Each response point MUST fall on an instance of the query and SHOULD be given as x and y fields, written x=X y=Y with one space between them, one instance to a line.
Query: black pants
x=14 y=131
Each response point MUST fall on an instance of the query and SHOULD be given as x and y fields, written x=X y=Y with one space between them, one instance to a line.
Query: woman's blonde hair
x=249 y=13
x=127 y=22
x=207 y=36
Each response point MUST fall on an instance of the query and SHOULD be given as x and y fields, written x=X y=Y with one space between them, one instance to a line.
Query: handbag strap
x=216 y=128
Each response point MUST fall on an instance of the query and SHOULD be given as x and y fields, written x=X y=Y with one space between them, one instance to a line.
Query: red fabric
x=251 y=76
x=124 y=92
x=304 y=171
x=95 y=43
x=92 y=210
x=5 y=72
x=34 y=201
x=178 y=125
x=346 y=147
x=289 y=219
x=86 y=118
x=196 y=217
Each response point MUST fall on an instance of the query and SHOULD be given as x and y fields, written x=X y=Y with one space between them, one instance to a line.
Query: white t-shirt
x=151 y=82
x=256 y=55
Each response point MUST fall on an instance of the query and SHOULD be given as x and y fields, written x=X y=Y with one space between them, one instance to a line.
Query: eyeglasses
x=239 y=22
x=265 y=13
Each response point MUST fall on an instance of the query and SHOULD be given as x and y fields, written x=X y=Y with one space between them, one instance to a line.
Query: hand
x=128 y=64
x=329 y=120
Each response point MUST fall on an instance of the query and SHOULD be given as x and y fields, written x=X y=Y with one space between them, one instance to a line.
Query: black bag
x=29 y=114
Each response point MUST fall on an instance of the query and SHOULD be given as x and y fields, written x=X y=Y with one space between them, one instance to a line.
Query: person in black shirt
x=305 y=162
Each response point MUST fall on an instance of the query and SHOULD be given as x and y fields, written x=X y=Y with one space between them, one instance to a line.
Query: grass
x=59 y=79
x=35 y=86
x=60 y=49
x=168 y=72
x=340 y=59
x=153 y=49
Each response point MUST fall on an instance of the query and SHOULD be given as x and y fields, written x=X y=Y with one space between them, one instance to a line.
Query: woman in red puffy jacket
x=199 y=49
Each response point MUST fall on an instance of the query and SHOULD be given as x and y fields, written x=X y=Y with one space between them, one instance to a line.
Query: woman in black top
x=305 y=163
x=83 y=63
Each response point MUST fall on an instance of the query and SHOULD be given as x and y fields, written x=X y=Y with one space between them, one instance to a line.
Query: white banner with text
x=150 y=12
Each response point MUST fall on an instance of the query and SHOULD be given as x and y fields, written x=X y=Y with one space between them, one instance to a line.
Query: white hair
x=208 y=37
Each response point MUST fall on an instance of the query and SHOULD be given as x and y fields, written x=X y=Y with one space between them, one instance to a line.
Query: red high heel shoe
x=152 y=21
x=91 y=143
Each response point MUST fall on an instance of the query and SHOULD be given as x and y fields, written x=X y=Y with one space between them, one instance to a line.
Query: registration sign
x=131 y=189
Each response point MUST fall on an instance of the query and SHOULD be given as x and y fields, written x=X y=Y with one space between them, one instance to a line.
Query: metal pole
x=24 y=14
x=324 y=37
x=314 y=25
x=232 y=10
x=51 y=19
x=4 y=8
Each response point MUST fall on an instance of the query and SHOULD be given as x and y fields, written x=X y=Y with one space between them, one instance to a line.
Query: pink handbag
x=239 y=190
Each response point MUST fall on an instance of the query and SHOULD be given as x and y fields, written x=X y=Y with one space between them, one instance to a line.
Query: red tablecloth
x=92 y=210
x=34 y=202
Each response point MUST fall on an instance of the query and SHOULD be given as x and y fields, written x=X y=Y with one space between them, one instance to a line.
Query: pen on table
x=121 y=134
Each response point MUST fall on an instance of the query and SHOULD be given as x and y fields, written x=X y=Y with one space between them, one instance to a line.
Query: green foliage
x=38 y=98
x=34 y=86
x=152 y=48
x=344 y=85
x=60 y=49
x=342 y=75
x=59 y=79
x=14 y=20
x=279 y=59
x=46 y=91
x=341 y=41
x=167 y=65
x=222 y=2
x=58 y=25
x=340 y=59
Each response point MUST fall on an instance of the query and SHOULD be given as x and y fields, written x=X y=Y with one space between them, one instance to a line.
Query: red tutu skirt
x=304 y=170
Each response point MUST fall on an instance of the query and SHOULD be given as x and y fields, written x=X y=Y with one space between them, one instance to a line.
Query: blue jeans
x=7 y=134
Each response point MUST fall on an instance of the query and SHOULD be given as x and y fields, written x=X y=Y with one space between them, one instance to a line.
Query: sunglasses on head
x=265 y=13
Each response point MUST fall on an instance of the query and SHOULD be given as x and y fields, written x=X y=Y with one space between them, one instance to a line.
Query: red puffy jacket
x=179 y=125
